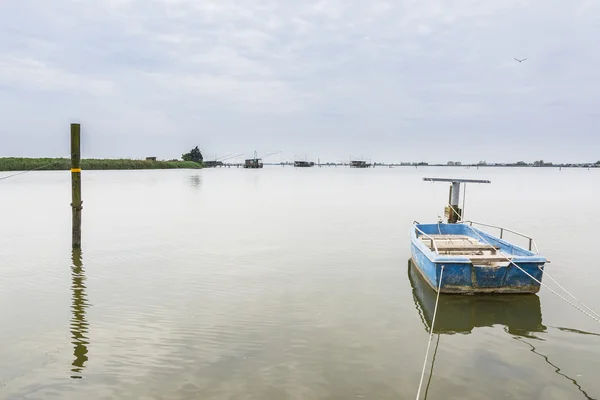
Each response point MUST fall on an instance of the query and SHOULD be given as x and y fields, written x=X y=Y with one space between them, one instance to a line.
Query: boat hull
x=461 y=275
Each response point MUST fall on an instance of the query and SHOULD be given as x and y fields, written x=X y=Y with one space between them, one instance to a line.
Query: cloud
x=263 y=67
x=32 y=75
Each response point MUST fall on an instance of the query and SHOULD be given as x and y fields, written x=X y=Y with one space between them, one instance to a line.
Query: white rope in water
x=546 y=286
x=595 y=318
x=569 y=293
x=430 y=332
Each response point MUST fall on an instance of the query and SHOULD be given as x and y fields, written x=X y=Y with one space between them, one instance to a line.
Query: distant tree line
x=195 y=155
x=59 y=164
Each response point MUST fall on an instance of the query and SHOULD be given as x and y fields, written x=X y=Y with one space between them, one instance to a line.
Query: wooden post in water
x=455 y=211
x=76 y=184
x=452 y=211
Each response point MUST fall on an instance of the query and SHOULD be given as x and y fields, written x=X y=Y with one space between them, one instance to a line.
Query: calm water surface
x=285 y=283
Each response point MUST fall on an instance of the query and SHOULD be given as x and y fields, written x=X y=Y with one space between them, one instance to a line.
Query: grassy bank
x=50 y=164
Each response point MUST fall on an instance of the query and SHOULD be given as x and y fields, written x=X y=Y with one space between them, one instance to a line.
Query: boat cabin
x=359 y=164
x=304 y=164
x=253 y=163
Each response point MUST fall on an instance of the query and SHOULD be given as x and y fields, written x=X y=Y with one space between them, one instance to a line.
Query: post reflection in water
x=79 y=324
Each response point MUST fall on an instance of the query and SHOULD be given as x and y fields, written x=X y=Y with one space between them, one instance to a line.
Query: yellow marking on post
x=75 y=169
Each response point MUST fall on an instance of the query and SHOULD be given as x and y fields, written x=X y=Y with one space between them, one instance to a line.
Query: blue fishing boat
x=469 y=259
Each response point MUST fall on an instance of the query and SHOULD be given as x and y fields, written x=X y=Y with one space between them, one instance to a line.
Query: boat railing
x=433 y=244
x=532 y=244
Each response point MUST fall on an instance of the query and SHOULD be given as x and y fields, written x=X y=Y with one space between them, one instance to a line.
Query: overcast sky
x=389 y=80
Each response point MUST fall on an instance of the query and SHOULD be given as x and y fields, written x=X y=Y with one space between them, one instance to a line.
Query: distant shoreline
x=423 y=164
x=585 y=165
x=61 y=164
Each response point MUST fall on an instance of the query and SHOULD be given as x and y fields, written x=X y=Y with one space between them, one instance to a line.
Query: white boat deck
x=459 y=245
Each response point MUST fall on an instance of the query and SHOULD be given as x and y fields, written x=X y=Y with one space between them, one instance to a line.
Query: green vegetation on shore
x=49 y=164
x=194 y=155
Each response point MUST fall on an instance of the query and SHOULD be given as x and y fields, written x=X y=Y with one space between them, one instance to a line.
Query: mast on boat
x=453 y=212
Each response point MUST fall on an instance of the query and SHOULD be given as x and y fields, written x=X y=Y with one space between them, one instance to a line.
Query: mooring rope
x=432 y=364
x=31 y=170
x=569 y=293
x=430 y=332
x=595 y=317
x=541 y=284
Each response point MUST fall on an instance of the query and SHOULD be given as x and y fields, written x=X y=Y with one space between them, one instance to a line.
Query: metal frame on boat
x=473 y=261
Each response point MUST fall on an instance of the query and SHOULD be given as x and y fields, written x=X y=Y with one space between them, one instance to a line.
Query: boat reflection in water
x=521 y=314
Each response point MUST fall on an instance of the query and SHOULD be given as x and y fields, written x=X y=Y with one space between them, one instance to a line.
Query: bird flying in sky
x=520 y=60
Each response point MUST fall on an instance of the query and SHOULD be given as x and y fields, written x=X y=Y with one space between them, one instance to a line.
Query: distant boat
x=359 y=164
x=303 y=164
x=473 y=261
